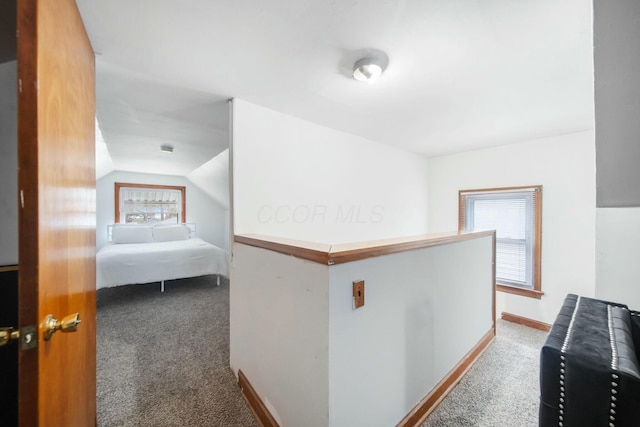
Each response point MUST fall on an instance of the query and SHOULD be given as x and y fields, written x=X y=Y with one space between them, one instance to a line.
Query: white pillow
x=132 y=234
x=169 y=233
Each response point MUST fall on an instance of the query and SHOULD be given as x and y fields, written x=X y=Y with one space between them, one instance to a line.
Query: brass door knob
x=67 y=324
x=7 y=335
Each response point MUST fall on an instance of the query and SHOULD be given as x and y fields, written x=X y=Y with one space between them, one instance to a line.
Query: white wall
x=617 y=263
x=212 y=220
x=279 y=332
x=424 y=310
x=104 y=162
x=299 y=180
x=565 y=167
x=315 y=361
x=8 y=164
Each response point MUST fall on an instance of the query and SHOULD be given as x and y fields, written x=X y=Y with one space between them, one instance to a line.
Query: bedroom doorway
x=168 y=137
x=207 y=183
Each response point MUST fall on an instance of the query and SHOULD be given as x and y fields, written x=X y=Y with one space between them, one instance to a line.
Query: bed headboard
x=191 y=225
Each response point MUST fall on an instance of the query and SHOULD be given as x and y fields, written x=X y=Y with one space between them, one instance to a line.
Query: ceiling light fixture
x=367 y=70
x=166 y=148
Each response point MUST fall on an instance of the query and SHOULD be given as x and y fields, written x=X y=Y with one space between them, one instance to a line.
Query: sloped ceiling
x=462 y=74
x=213 y=178
x=137 y=115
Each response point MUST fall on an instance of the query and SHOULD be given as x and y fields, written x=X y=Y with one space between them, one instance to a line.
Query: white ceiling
x=462 y=74
x=137 y=115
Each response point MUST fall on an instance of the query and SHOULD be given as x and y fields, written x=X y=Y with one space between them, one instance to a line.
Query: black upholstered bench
x=589 y=371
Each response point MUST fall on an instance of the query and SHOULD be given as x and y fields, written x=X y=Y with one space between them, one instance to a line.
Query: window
x=515 y=213
x=149 y=204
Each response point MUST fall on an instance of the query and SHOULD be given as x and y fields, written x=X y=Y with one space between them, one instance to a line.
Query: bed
x=144 y=254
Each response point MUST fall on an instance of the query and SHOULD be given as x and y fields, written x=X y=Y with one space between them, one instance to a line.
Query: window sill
x=531 y=293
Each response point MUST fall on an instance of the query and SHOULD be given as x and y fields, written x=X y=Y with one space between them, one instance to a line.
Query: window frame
x=536 y=234
x=182 y=189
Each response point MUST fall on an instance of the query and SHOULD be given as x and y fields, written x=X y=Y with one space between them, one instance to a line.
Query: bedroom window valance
x=149 y=204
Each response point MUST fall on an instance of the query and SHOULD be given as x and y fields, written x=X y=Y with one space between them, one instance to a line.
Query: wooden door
x=56 y=110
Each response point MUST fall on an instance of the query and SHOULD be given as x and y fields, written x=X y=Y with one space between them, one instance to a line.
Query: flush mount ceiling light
x=166 y=148
x=367 y=70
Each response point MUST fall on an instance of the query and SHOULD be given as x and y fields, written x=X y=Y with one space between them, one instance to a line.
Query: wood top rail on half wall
x=347 y=252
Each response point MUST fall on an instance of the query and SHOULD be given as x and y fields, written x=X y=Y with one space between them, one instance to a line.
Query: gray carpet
x=502 y=388
x=163 y=358
x=168 y=365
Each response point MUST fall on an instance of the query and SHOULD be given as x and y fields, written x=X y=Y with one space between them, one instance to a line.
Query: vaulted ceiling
x=462 y=74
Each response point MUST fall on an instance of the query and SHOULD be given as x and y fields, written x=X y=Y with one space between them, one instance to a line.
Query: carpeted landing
x=502 y=388
x=163 y=360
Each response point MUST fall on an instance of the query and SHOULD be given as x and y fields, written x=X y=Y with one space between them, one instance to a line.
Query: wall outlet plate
x=358 y=294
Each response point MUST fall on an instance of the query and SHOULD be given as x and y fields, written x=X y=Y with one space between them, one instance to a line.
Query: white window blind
x=511 y=214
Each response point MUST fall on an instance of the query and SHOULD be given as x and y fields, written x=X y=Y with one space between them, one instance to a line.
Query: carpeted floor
x=502 y=388
x=163 y=360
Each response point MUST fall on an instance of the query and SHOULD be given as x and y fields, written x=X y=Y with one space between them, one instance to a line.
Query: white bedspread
x=124 y=264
